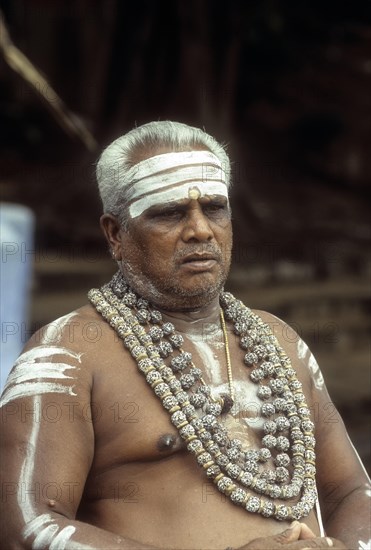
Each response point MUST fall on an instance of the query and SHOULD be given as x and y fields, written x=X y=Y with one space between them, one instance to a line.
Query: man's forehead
x=173 y=177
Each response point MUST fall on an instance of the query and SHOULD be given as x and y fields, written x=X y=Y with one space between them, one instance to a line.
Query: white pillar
x=17 y=254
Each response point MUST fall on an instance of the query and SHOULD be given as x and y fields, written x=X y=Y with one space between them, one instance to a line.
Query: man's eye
x=168 y=214
x=215 y=207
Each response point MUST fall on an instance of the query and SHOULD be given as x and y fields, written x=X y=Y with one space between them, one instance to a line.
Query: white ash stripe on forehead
x=34 y=371
x=30 y=389
x=156 y=182
x=176 y=193
x=159 y=163
x=46 y=351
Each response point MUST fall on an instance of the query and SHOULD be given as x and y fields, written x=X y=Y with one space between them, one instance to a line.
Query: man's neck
x=194 y=321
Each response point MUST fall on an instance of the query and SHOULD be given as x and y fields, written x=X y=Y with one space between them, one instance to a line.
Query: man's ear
x=113 y=232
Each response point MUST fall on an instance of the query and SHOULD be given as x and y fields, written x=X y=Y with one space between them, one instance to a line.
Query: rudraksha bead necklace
x=240 y=472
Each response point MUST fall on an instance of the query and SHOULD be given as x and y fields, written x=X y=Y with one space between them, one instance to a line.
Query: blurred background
x=286 y=85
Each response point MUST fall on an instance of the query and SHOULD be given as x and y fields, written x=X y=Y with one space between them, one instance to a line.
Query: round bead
x=213 y=471
x=182 y=397
x=295 y=385
x=143 y=316
x=269 y=475
x=238 y=496
x=260 y=351
x=224 y=484
x=307 y=426
x=268 y=509
x=233 y=470
x=252 y=454
x=251 y=359
x=214 y=409
x=129 y=299
x=142 y=303
x=268 y=409
x=279 y=403
x=294 y=421
x=282 y=473
x=281 y=512
x=178 y=418
x=145 y=364
x=274 y=491
x=204 y=458
x=220 y=438
x=233 y=453
x=209 y=421
x=197 y=373
x=282 y=423
x=277 y=386
x=246 y=342
x=168 y=328
x=269 y=441
x=264 y=454
x=298 y=448
x=186 y=431
x=169 y=402
x=270 y=427
x=155 y=333
x=246 y=479
x=161 y=389
x=240 y=327
x=264 y=392
x=176 y=340
x=251 y=467
x=197 y=424
x=253 y=504
x=165 y=349
x=260 y=485
x=257 y=374
x=283 y=444
x=156 y=316
x=222 y=460
x=267 y=367
x=175 y=385
x=197 y=400
x=187 y=381
x=181 y=361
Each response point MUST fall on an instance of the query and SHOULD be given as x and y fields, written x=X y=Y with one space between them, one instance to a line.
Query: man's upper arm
x=339 y=470
x=48 y=441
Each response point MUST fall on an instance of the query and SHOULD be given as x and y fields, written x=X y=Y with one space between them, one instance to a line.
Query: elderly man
x=166 y=414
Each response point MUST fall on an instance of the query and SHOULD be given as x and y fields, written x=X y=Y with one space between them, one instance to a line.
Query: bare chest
x=130 y=422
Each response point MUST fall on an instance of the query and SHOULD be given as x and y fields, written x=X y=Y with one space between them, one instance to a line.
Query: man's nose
x=197 y=226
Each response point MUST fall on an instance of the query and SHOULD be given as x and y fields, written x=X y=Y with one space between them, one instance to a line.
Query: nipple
x=166 y=442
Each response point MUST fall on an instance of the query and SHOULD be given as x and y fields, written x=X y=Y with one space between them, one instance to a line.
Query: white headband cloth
x=193 y=174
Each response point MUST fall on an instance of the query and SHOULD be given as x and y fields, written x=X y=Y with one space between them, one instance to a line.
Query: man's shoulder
x=291 y=342
x=272 y=320
x=76 y=329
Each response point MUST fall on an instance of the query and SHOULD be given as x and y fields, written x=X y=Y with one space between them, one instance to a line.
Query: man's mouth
x=198 y=258
x=200 y=262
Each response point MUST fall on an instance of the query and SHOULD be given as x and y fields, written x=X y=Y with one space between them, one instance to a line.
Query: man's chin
x=176 y=294
x=191 y=297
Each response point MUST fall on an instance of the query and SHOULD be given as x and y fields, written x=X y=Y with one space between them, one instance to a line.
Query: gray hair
x=143 y=142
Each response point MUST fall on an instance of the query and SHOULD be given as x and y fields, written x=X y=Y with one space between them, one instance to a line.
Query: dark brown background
x=287 y=86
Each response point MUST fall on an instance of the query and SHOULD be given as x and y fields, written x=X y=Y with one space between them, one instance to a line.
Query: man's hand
x=297 y=537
